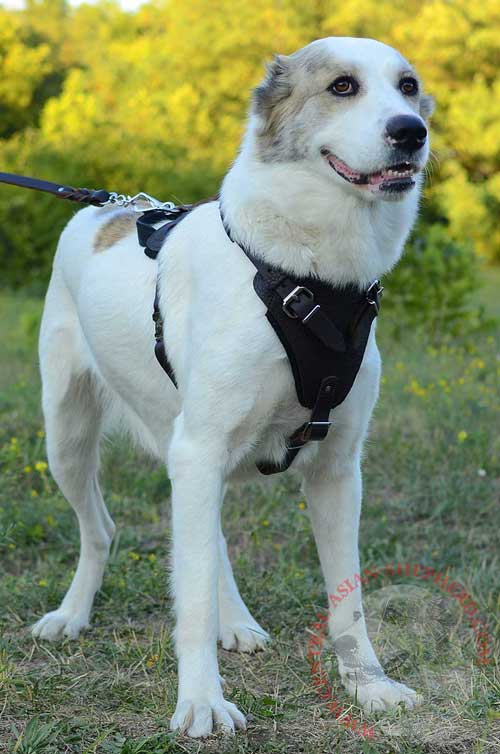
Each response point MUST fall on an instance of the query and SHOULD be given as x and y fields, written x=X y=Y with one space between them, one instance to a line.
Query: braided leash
x=96 y=197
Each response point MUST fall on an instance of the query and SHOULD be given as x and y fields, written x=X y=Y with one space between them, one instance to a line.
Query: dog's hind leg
x=237 y=628
x=73 y=410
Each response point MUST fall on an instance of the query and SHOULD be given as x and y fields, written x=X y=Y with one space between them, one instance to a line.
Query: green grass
x=431 y=497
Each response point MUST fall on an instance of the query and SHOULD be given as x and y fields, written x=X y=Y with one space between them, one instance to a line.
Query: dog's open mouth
x=394 y=178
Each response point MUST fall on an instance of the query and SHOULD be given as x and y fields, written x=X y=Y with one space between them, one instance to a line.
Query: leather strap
x=315 y=429
x=160 y=352
x=152 y=238
x=82 y=195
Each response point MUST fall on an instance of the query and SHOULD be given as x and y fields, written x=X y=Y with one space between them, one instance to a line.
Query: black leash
x=97 y=197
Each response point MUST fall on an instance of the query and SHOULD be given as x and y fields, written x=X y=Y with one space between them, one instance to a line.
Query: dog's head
x=351 y=110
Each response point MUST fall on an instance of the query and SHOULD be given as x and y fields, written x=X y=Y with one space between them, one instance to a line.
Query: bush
x=433 y=287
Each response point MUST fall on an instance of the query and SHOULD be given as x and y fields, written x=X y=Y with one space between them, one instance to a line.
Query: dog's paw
x=246 y=636
x=382 y=694
x=58 y=625
x=198 y=717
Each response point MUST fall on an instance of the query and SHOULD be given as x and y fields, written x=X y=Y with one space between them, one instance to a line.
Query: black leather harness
x=323 y=328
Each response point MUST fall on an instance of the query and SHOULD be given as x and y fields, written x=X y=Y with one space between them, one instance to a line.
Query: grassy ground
x=431 y=497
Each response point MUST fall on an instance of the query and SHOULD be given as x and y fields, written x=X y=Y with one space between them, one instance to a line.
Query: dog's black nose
x=406 y=132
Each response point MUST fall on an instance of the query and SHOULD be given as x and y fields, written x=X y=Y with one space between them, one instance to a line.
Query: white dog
x=335 y=131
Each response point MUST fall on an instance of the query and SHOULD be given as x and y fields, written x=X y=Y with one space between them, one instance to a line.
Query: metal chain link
x=124 y=200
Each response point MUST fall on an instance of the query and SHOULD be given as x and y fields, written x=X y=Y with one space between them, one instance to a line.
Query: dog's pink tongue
x=344 y=168
x=376 y=178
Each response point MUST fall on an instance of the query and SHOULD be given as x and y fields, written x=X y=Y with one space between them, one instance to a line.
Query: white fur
x=236 y=400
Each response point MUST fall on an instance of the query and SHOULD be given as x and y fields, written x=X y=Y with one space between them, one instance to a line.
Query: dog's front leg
x=334 y=500
x=196 y=471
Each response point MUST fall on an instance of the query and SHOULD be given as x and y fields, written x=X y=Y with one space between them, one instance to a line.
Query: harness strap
x=315 y=429
x=152 y=238
x=160 y=353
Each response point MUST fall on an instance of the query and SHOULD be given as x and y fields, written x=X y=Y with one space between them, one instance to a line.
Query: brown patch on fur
x=112 y=231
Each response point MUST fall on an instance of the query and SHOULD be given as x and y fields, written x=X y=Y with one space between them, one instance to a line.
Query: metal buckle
x=373 y=294
x=295 y=296
x=306 y=434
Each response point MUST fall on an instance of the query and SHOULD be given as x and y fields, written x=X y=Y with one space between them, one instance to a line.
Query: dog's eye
x=408 y=86
x=344 y=86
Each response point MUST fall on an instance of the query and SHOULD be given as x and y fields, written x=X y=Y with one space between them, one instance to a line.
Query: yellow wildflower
x=265 y=522
x=302 y=506
x=34 y=493
x=41 y=466
x=152 y=660
x=28 y=469
x=40 y=433
x=462 y=435
x=42 y=582
x=152 y=557
x=416 y=389
x=134 y=556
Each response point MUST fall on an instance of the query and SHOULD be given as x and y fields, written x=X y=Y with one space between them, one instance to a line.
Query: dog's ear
x=272 y=93
x=427 y=105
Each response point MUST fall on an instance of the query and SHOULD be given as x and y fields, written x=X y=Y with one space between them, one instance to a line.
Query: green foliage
x=97 y=96
x=432 y=287
x=36 y=738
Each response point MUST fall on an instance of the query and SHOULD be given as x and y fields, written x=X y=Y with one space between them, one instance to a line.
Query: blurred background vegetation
x=155 y=100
